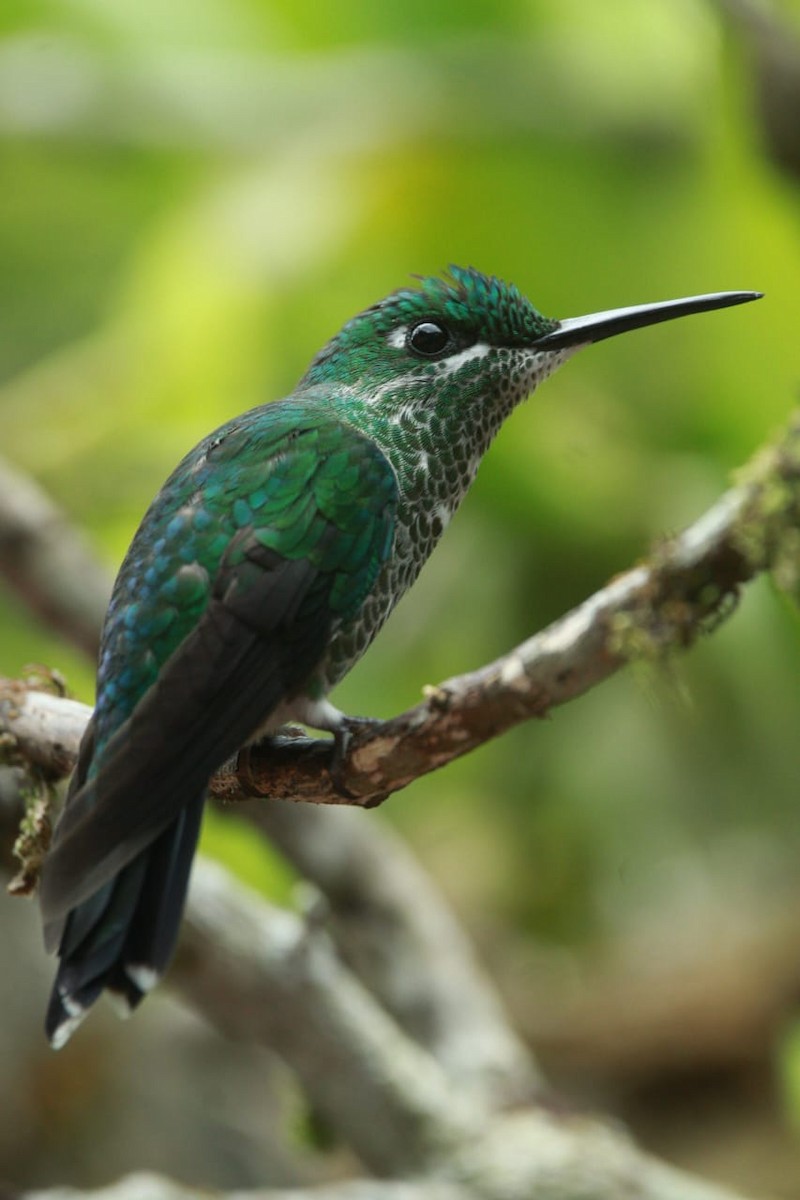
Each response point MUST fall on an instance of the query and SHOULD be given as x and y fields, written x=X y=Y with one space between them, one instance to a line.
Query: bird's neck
x=434 y=446
x=435 y=427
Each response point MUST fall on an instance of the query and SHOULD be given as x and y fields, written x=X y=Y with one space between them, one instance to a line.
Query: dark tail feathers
x=122 y=937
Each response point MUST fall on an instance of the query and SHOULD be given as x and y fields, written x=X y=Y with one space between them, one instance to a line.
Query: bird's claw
x=342 y=742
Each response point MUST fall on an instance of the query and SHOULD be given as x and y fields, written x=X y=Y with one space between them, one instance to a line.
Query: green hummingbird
x=260 y=574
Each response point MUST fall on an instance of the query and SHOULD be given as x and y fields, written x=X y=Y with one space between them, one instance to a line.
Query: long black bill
x=577 y=331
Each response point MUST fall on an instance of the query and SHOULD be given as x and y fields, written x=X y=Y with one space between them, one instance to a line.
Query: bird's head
x=467 y=346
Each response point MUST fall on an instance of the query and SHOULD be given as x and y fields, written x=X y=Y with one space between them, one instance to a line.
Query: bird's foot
x=343 y=735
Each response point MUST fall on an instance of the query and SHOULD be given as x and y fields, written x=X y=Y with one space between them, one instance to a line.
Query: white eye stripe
x=454 y=362
x=397 y=338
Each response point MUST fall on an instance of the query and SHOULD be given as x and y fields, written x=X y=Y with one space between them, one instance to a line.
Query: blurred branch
x=606 y=1167
x=264 y=974
x=393 y=929
x=773 y=46
x=48 y=563
x=268 y=976
x=155 y=1187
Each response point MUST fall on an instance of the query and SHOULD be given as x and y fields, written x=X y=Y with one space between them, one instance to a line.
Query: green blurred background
x=193 y=197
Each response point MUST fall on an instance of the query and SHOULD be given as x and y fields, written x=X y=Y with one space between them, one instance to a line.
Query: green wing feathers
x=284 y=479
x=263 y=541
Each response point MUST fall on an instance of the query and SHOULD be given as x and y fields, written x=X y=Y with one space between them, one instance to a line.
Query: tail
x=113 y=885
x=122 y=936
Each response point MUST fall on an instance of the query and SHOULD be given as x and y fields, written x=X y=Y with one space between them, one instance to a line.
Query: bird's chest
x=430 y=493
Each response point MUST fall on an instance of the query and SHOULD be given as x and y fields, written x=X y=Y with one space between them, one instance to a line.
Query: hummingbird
x=260 y=574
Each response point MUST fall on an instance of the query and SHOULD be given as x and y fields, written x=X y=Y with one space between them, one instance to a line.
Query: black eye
x=427 y=339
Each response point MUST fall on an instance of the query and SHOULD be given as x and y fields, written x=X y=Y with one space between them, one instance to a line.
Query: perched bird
x=260 y=574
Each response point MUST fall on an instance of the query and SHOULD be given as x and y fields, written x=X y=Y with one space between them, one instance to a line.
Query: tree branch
x=683 y=590
x=686 y=588
x=773 y=47
x=394 y=930
x=388 y=921
x=145 y=1186
x=265 y=974
x=38 y=544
